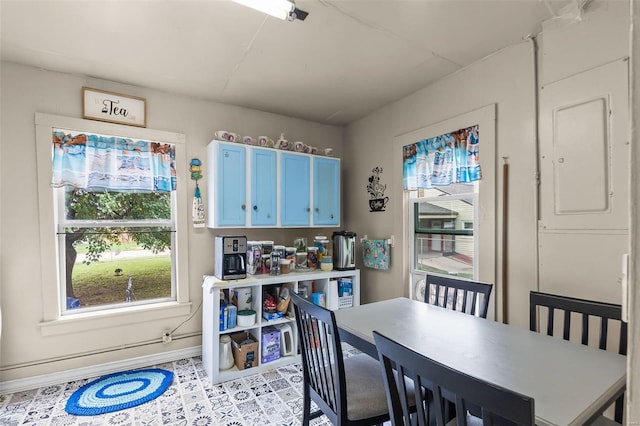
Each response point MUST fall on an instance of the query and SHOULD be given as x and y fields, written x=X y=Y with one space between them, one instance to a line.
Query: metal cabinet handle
x=244 y=207
x=255 y=208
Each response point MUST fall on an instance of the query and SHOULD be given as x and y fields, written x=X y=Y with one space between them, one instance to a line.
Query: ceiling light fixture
x=282 y=9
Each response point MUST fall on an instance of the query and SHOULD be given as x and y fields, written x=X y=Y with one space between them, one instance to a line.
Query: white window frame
x=487 y=233
x=417 y=274
x=53 y=321
x=63 y=222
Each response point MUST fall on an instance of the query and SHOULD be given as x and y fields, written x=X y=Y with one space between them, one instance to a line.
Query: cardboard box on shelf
x=245 y=350
x=270 y=344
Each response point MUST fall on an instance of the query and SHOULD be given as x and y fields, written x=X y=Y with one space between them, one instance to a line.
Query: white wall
x=24 y=352
x=486 y=82
x=508 y=79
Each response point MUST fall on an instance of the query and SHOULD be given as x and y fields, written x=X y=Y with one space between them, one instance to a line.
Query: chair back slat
x=585 y=329
x=470 y=297
x=604 y=325
x=588 y=309
x=465 y=294
x=455 y=297
x=550 y=322
x=438 y=406
x=461 y=410
x=622 y=348
x=432 y=379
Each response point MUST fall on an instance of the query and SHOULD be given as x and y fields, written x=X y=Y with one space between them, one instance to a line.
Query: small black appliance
x=230 y=257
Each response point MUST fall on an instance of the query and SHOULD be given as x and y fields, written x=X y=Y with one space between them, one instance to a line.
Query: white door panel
x=584 y=150
x=584 y=265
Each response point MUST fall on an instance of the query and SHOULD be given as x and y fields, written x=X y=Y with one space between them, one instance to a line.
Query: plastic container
x=246 y=318
x=326 y=264
x=280 y=249
x=322 y=243
x=274 y=268
x=301 y=260
x=266 y=263
x=312 y=258
x=285 y=266
x=290 y=254
x=254 y=257
x=267 y=247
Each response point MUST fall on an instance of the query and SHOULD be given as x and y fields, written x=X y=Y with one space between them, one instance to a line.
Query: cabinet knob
x=308 y=209
x=331 y=216
x=317 y=210
x=255 y=208
x=244 y=207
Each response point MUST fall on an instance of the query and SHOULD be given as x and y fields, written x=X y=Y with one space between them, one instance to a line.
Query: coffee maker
x=230 y=257
x=344 y=250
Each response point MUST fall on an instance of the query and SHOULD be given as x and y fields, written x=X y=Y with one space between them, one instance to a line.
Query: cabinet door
x=263 y=187
x=295 y=188
x=231 y=185
x=326 y=191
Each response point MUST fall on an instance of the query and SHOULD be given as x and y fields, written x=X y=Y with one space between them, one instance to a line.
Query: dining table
x=571 y=383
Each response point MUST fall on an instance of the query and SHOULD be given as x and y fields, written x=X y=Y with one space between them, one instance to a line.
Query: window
x=115 y=248
x=115 y=219
x=106 y=229
x=423 y=238
x=443 y=232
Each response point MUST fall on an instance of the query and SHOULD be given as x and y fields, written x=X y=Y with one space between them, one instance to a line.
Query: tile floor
x=271 y=398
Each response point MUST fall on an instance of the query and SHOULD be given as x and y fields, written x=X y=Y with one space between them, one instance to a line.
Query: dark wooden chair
x=606 y=313
x=437 y=380
x=458 y=294
x=348 y=391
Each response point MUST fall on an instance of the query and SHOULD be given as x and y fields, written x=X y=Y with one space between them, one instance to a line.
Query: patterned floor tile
x=270 y=398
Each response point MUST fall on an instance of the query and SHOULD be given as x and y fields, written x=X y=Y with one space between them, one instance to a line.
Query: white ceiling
x=348 y=58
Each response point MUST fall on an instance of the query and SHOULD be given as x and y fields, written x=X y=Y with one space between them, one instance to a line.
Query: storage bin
x=345 y=302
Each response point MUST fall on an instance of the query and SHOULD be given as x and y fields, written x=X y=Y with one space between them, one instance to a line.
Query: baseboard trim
x=35 y=382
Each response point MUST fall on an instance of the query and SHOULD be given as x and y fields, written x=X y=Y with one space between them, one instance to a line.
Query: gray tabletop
x=571 y=383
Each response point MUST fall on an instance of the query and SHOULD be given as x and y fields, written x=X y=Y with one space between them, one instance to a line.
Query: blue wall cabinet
x=326 y=191
x=256 y=187
x=227 y=185
x=295 y=177
x=264 y=187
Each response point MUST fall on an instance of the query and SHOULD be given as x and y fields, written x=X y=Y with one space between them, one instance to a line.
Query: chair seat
x=471 y=421
x=477 y=421
x=604 y=421
x=365 y=389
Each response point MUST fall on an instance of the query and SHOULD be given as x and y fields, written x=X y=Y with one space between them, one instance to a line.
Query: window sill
x=113 y=318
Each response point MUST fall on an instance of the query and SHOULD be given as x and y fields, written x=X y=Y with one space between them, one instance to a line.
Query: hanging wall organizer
x=197 y=211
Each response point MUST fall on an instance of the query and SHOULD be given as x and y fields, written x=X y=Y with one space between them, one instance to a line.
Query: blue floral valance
x=98 y=162
x=442 y=160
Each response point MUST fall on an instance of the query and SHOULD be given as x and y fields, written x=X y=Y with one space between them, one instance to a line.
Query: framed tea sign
x=114 y=107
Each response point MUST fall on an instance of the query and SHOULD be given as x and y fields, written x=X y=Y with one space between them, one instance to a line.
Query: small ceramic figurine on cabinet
x=282 y=143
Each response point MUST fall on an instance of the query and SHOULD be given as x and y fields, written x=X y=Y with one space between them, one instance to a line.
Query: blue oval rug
x=119 y=391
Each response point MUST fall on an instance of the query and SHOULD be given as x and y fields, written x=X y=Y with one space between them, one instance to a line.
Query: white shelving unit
x=211 y=333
